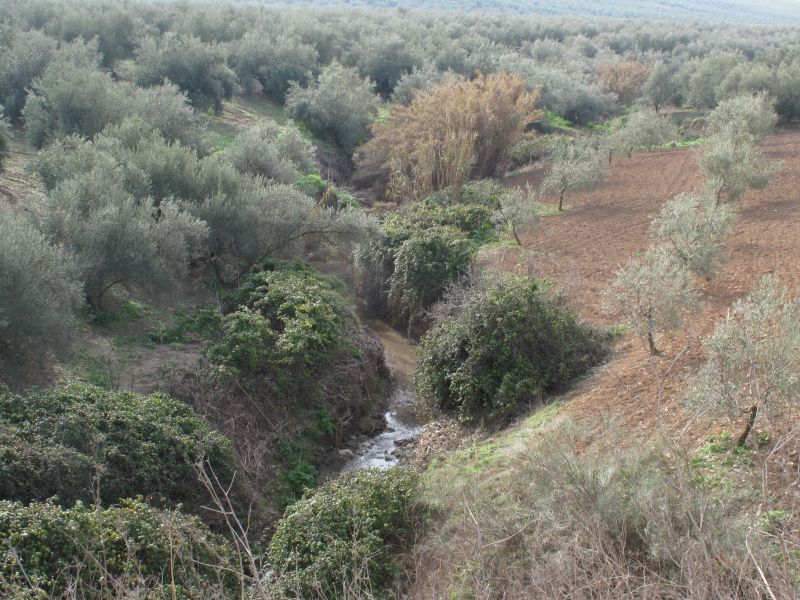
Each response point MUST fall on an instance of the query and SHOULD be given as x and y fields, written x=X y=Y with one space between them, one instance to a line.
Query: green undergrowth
x=494 y=455
x=720 y=464
x=423 y=248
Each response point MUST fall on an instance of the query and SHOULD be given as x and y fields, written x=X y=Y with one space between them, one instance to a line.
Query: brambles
x=79 y=442
x=500 y=346
x=437 y=237
x=751 y=365
x=39 y=290
x=445 y=137
x=348 y=529
x=127 y=550
x=287 y=323
x=424 y=266
x=653 y=291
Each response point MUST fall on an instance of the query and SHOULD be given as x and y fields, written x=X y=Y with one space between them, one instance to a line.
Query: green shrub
x=424 y=266
x=503 y=344
x=55 y=441
x=349 y=526
x=132 y=548
x=286 y=321
x=424 y=247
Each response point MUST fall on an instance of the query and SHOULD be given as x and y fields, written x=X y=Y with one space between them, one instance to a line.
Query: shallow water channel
x=384 y=450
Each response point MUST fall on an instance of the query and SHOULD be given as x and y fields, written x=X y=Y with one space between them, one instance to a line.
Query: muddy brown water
x=386 y=448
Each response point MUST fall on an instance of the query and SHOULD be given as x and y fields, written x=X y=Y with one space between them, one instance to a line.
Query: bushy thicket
x=345 y=534
x=286 y=323
x=121 y=551
x=422 y=249
x=499 y=346
x=80 y=442
x=287 y=349
x=39 y=289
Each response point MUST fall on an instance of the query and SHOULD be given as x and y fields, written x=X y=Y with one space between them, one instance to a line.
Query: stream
x=385 y=449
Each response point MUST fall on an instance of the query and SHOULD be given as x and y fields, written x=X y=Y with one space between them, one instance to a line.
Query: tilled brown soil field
x=582 y=248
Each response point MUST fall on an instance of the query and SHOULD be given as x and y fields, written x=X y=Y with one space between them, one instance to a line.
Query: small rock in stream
x=346 y=453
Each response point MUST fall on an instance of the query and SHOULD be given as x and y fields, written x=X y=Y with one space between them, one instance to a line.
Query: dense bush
x=346 y=530
x=424 y=266
x=285 y=325
x=434 y=239
x=77 y=440
x=590 y=525
x=39 y=289
x=500 y=346
x=338 y=106
x=123 y=551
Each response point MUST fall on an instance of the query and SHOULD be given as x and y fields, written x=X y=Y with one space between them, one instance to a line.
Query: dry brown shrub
x=459 y=130
x=562 y=522
x=625 y=79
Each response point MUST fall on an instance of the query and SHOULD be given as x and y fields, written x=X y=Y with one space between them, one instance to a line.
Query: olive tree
x=196 y=67
x=752 y=363
x=743 y=117
x=653 y=291
x=5 y=141
x=695 y=227
x=39 y=288
x=115 y=238
x=338 y=106
x=737 y=164
x=574 y=167
x=273 y=61
x=518 y=208
x=20 y=64
x=659 y=89
x=644 y=128
x=261 y=219
x=271 y=151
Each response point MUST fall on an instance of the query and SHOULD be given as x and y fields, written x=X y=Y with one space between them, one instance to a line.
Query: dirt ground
x=582 y=248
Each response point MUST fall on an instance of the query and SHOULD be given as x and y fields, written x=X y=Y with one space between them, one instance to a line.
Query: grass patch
x=558 y=122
